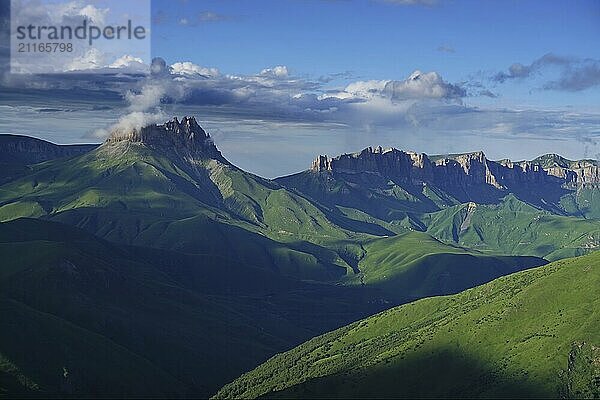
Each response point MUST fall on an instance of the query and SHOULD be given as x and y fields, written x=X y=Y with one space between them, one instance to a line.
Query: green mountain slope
x=138 y=321
x=509 y=338
x=515 y=227
x=18 y=152
x=414 y=265
x=197 y=321
x=547 y=207
x=507 y=226
x=181 y=195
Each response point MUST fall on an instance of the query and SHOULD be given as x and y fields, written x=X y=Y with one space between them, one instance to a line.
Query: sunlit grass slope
x=509 y=338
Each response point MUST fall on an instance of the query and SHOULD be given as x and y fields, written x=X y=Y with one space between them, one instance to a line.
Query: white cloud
x=280 y=71
x=358 y=90
x=148 y=98
x=418 y=85
x=188 y=68
x=126 y=61
x=421 y=85
x=422 y=104
x=129 y=122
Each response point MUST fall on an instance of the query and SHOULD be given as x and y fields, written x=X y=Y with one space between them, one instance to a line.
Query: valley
x=154 y=254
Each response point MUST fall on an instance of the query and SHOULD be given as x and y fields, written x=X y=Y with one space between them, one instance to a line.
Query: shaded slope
x=138 y=321
x=25 y=150
x=510 y=337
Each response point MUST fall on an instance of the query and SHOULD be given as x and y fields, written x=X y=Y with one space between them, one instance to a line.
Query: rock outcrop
x=462 y=170
x=184 y=137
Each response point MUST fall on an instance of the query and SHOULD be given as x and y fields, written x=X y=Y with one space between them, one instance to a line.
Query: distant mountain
x=17 y=149
x=18 y=152
x=529 y=334
x=465 y=173
x=399 y=191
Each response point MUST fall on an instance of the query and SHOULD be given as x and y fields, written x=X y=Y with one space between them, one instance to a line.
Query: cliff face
x=184 y=137
x=461 y=170
x=15 y=149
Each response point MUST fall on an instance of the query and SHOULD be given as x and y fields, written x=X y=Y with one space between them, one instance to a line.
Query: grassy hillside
x=125 y=320
x=188 y=322
x=414 y=265
x=379 y=197
x=129 y=193
x=509 y=338
x=514 y=227
x=518 y=223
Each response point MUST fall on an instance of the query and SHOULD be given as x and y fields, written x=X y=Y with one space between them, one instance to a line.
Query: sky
x=277 y=83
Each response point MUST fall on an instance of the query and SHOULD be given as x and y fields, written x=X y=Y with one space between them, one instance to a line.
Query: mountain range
x=462 y=198
x=151 y=265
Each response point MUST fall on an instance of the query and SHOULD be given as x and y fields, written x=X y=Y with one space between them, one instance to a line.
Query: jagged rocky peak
x=371 y=159
x=174 y=134
x=462 y=170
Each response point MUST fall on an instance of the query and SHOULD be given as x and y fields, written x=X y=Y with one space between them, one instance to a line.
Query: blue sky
x=376 y=38
x=278 y=82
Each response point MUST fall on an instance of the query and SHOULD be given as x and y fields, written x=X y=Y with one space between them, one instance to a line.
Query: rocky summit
x=462 y=170
x=185 y=136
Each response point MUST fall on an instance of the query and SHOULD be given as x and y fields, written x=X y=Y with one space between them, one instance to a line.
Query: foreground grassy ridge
x=510 y=337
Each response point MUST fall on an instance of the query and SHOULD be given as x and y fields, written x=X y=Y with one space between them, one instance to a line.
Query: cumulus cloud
x=146 y=98
x=92 y=59
x=273 y=93
x=191 y=69
x=418 y=86
x=104 y=55
x=279 y=71
x=424 y=85
x=422 y=102
x=128 y=62
x=95 y=15
x=149 y=97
